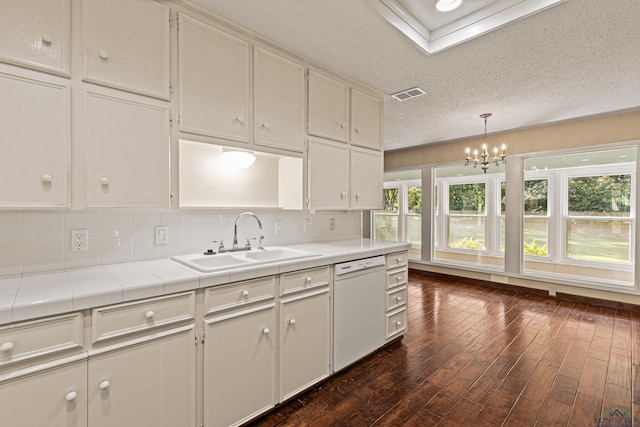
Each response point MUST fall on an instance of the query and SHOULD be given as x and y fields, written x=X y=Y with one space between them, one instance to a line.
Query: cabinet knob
x=104 y=180
x=149 y=315
x=356 y=130
x=343 y=125
x=71 y=396
x=46 y=178
x=46 y=38
x=398 y=323
x=6 y=347
x=343 y=195
x=104 y=55
x=292 y=321
x=308 y=279
x=399 y=260
x=398 y=299
x=104 y=385
x=358 y=196
x=245 y=293
x=266 y=331
x=399 y=278
x=240 y=119
x=266 y=125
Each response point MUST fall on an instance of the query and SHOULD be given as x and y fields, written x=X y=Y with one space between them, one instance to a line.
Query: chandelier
x=483 y=158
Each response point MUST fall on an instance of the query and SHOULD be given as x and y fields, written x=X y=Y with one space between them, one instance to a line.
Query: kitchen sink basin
x=239 y=259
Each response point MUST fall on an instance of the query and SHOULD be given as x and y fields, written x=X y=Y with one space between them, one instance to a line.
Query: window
x=536 y=217
x=401 y=216
x=466 y=228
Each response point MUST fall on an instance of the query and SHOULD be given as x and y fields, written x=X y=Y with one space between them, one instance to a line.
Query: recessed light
x=447 y=5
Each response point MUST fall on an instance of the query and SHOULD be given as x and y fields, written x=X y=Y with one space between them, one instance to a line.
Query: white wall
x=36 y=241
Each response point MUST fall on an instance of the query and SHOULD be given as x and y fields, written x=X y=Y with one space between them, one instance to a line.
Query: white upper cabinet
x=328 y=170
x=279 y=101
x=366 y=179
x=366 y=120
x=214 y=78
x=126 y=151
x=35 y=33
x=328 y=107
x=35 y=139
x=127 y=45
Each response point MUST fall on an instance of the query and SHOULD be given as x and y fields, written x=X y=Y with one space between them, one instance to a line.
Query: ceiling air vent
x=414 y=92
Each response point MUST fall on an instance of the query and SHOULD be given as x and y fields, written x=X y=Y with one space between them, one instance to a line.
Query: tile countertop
x=36 y=295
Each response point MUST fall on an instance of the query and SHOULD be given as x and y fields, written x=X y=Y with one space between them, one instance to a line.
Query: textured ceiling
x=580 y=58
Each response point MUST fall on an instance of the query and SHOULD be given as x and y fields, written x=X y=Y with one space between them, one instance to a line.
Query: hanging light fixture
x=483 y=158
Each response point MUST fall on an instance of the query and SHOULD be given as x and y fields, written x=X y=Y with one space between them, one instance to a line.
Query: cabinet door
x=239 y=366
x=328 y=108
x=214 y=81
x=151 y=384
x=279 y=101
x=366 y=179
x=126 y=152
x=328 y=168
x=53 y=398
x=305 y=341
x=35 y=135
x=35 y=33
x=366 y=120
x=127 y=45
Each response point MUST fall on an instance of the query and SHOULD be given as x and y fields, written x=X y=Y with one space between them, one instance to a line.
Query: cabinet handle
x=104 y=180
x=149 y=315
x=46 y=39
x=71 y=396
x=104 y=385
x=266 y=331
x=308 y=279
x=240 y=119
x=103 y=55
x=46 y=178
x=245 y=293
x=292 y=321
x=6 y=347
x=266 y=125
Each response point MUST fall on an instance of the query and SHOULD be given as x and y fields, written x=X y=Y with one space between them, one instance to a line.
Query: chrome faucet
x=235 y=232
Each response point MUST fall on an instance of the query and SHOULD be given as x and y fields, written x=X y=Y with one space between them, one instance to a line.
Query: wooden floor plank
x=477 y=355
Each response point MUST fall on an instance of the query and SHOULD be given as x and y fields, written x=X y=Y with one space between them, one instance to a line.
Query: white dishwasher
x=358 y=309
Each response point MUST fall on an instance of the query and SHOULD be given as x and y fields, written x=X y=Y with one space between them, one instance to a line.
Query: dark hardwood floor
x=481 y=356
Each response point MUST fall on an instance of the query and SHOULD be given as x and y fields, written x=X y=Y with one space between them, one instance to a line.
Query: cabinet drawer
x=239 y=294
x=397 y=260
x=305 y=279
x=124 y=319
x=396 y=323
x=47 y=337
x=396 y=298
x=396 y=278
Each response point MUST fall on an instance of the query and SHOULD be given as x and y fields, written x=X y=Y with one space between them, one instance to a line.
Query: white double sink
x=240 y=259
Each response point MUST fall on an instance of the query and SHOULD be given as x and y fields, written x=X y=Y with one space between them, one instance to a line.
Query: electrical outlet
x=79 y=240
x=332 y=224
x=306 y=225
x=162 y=234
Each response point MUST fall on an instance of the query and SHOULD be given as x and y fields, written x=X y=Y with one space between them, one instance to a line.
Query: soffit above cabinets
x=433 y=31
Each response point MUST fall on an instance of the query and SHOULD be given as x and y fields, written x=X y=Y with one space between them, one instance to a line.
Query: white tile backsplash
x=38 y=241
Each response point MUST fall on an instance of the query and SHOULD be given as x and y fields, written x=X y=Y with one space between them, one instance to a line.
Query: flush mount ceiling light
x=447 y=5
x=236 y=159
x=484 y=163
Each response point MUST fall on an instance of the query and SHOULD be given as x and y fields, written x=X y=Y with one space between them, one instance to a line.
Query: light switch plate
x=162 y=234
x=279 y=227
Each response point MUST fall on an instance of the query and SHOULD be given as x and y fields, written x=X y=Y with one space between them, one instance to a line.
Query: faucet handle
x=221 y=248
x=248 y=244
x=260 y=243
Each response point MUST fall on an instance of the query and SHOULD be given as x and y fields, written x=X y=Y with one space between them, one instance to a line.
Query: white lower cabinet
x=147 y=384
x=239 y=365
x=54 y=397
x=305 y=341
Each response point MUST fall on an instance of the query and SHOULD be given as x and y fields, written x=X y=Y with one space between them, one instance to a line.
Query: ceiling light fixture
x=236 y=159
x=484 y=163
x=447 y=5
